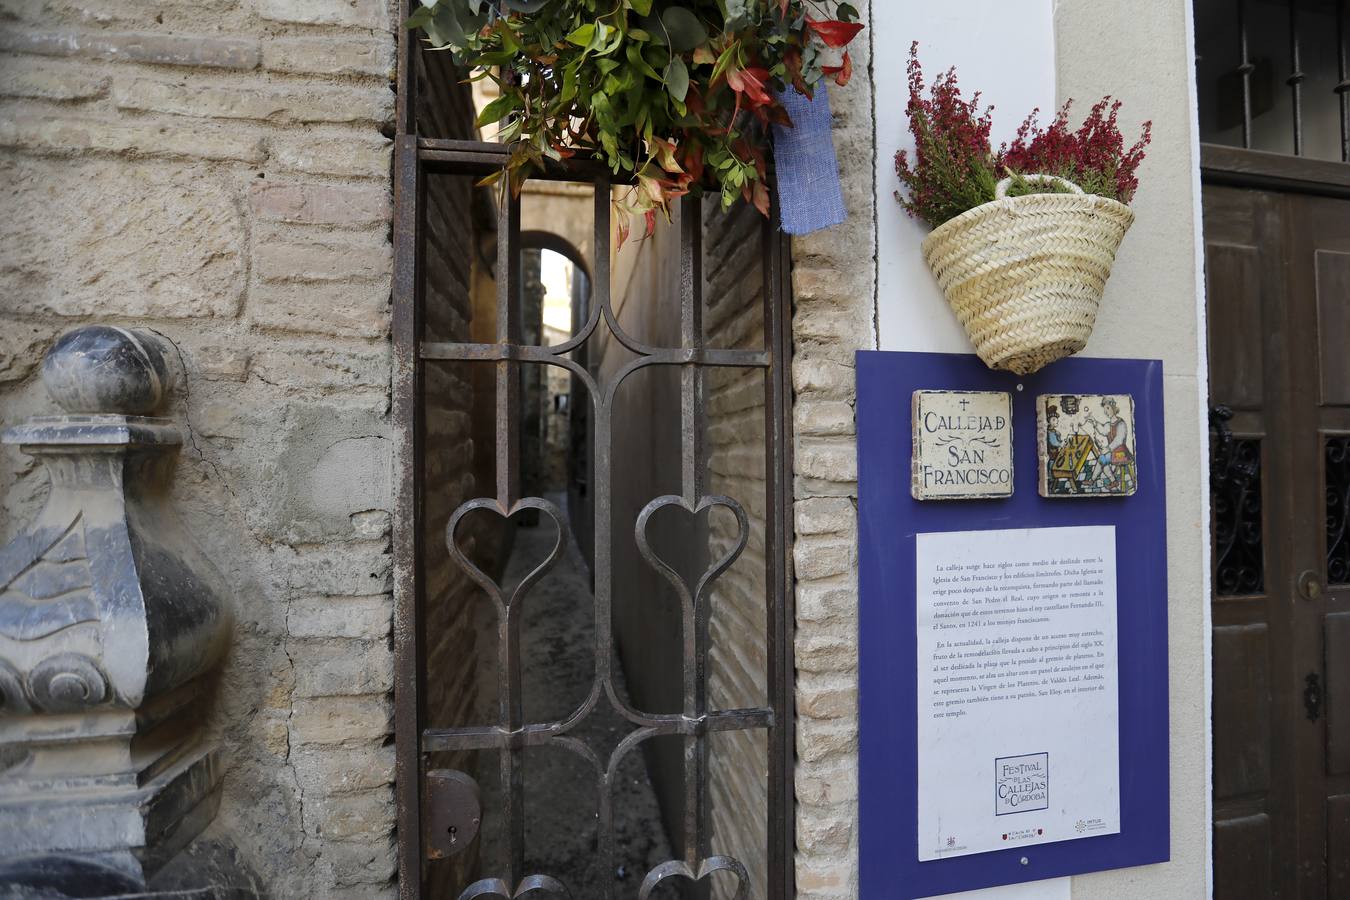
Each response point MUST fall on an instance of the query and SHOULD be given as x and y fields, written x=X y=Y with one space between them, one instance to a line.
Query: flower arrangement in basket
x=1023 y=238
x=671 y=94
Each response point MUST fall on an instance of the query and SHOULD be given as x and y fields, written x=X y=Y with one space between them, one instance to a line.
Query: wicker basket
x=1025 y=274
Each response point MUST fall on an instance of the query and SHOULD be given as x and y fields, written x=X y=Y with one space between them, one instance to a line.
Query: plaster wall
x=1005 y=50
x=1154 y=307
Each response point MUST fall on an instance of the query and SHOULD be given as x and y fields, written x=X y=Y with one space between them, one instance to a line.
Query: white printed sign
x=1017 y=688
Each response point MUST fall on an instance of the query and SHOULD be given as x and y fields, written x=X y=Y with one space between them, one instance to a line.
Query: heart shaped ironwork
x=718 y=567
x=676 y=868
x=480 y=577
x=495 y=887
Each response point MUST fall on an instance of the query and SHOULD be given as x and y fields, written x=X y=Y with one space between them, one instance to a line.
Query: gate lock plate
x=454 y=812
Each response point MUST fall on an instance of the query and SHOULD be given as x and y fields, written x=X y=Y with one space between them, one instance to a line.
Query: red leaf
x=650 y=216
x=833 y=32
x=792 y=58
x=693 y=160
x=782 y=8
x=693 y=102
x=750 y=83
x=841 y=73
x=761 y=196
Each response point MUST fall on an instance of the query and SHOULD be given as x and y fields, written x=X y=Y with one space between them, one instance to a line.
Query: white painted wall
x=1005 y=48
x=1035 y=53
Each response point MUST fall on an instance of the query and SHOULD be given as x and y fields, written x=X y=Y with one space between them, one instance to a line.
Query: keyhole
x=453 y=830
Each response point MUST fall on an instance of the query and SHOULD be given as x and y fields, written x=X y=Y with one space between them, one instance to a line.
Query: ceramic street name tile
x=962 y=445
x=1085 y=444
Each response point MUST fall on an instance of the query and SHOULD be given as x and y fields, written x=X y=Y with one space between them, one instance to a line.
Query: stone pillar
x=109 y=619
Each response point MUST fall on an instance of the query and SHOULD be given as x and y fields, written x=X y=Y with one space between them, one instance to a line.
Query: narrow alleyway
x=558 y=650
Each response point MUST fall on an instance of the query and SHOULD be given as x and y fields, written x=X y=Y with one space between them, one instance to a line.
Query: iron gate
x=417 y=159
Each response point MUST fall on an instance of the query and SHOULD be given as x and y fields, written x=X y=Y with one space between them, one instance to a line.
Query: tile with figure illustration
x=1086 y=445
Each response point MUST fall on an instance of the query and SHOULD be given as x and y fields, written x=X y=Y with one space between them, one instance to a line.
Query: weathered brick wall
x=834 y=287
x=733 y=293
x=457 y=448
x=218 y=172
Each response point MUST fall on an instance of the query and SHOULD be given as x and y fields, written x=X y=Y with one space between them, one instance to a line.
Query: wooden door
x=1278 y=273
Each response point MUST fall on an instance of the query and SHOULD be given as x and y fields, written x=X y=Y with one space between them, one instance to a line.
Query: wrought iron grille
x=1235 y=498
x=417 y=158
x=1287 y=59
x=1337 y=478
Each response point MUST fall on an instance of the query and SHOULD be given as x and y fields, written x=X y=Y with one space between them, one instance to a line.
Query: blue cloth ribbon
x=809 y=195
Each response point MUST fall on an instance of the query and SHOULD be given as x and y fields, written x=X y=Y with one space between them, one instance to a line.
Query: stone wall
x=834 y=286
x=218 y=172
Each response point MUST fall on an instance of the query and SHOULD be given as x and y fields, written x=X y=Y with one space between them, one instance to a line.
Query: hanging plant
x=1023 y=237
x=671 y=94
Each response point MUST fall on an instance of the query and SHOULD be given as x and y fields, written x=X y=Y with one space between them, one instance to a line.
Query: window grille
x=1272 y=75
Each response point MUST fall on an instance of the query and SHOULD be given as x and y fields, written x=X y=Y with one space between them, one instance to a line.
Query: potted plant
x=668 y=94
x=1023 y=238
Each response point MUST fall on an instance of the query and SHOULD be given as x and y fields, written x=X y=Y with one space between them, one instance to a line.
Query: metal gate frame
x=415 y=158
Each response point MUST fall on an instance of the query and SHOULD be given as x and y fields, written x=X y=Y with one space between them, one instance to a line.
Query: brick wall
x=733 y=293
x=457 y=450
x=834 y=286
x=218 y=171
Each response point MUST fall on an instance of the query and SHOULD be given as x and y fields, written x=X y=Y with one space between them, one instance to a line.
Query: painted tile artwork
x=1086 y=445
x=962 y=445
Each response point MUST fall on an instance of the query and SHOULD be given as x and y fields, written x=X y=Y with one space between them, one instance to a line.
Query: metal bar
x=406 y=329
x=1245 y=68
x=691 y=338
x=1296 y=76
x=508 y=492
x=778 y=581
x=493 y=737
x=409 y=194
x=508 y=336
x=674 y=356
x=692 y=458
x=1343 y=78
x=485 y=157
x=603 y=561
x=408 y=52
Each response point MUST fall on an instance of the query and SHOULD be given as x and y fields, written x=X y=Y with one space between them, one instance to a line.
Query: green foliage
x=673 y=94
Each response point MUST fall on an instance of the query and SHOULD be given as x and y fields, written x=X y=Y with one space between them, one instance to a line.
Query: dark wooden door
x=1278 y=273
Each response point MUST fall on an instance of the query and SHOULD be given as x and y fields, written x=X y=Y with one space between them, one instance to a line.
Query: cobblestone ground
x=557 y=647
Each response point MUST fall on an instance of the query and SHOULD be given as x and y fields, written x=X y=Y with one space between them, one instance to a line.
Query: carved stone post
x=109 y=618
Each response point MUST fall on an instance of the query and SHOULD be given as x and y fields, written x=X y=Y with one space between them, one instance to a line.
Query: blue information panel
x=890 y=519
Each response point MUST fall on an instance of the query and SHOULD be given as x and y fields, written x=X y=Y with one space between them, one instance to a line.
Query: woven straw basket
x=1025 y=274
